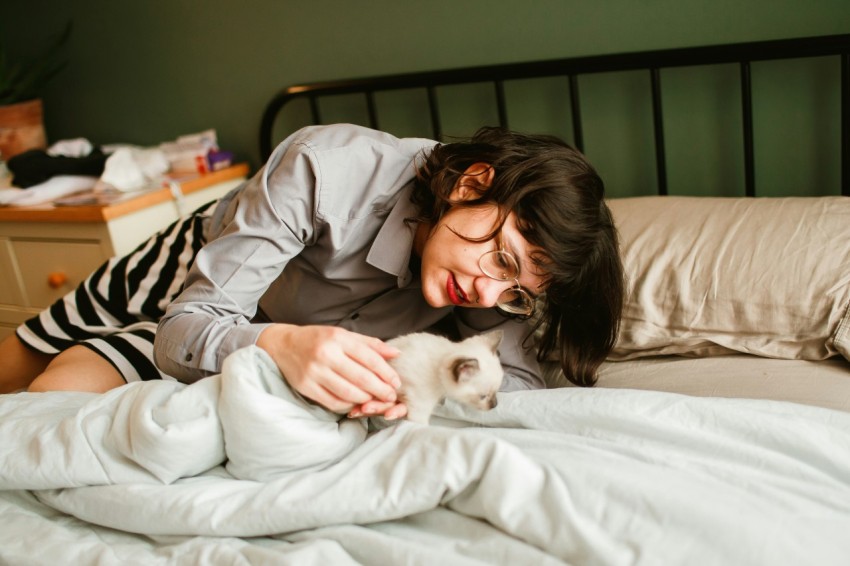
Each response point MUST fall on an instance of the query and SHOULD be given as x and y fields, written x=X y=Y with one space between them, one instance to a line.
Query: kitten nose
x=493 y=401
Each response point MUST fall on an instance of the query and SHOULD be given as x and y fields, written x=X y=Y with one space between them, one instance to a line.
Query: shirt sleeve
x=273 y=218
x=522 y=370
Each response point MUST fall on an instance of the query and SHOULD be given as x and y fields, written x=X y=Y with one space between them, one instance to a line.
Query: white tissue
x=77 y=147
x=132 y=168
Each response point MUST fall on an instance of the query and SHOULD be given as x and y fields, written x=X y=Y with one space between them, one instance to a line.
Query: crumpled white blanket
x=572 y=475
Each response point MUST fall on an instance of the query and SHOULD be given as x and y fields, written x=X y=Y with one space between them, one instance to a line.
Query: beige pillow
x=708 y=276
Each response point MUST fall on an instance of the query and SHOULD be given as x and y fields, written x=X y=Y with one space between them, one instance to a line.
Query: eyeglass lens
x=502 y=266
x=499 y=265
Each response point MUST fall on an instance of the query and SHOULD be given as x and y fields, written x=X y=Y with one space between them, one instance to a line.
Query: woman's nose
x=488 y=290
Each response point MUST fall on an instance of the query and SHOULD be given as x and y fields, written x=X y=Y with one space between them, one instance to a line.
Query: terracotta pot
x=21 y=128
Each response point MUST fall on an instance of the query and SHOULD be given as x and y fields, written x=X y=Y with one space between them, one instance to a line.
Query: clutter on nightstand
x=196 y=153
x=70 y=167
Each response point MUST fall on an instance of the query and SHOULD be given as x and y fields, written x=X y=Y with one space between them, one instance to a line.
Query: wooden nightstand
x=45 y=251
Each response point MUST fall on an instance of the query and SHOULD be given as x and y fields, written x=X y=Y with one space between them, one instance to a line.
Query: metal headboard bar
x=845 y=124
x=436 y=124
x=373 y=111
x=653 y=61
x=749 y=137
x=575 y=113
x=501 y=104
x=658 y=129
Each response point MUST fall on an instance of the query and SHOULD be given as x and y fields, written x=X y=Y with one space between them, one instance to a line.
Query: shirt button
x=189 y=357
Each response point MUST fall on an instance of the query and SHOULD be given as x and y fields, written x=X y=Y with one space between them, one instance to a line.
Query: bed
x=719 y=431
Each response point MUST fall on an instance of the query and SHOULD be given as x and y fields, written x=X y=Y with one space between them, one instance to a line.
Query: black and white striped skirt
x=115 y=311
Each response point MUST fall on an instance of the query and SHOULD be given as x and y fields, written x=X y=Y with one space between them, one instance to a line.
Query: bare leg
x=19 y=364
x=78 y=369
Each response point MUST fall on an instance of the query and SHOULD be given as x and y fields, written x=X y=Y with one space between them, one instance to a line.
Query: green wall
x=149 y=71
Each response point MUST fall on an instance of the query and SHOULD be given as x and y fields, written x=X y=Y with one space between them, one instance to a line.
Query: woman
x=347 y=237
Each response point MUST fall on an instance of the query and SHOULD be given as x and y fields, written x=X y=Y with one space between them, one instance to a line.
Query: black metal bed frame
x=652 y=61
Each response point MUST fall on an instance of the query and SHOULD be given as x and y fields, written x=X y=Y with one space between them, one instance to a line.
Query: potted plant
x=21 y=88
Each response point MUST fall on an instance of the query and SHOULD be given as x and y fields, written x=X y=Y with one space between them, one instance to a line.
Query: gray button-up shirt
x=321 y=235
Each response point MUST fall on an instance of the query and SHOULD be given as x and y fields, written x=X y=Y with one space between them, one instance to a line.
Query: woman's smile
x=456 y=294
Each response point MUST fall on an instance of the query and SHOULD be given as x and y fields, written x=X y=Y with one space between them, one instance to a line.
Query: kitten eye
x=482 y=397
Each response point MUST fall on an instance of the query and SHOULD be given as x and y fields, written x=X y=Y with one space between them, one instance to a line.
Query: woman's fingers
x=368 y=369
x=326 y=398
x=385 y=352
x=397 y=411
x=371 y=408
x=339 y=388
x=332 y=366
x=390 y=411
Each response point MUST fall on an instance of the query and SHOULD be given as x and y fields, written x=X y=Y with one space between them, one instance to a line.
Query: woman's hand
x=390 y=411
x=341 y=370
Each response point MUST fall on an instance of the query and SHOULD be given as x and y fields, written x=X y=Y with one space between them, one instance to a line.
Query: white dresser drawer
x=49 y=269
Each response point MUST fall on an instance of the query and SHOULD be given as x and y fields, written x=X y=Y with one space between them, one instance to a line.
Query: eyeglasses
x=501 y=265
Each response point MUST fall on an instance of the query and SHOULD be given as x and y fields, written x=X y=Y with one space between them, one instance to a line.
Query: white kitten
x=432 y=368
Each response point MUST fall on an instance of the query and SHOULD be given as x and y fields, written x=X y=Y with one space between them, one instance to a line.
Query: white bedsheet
x=237 y=469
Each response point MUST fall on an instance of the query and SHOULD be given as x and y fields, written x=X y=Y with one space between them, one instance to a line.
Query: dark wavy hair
x=558 y=199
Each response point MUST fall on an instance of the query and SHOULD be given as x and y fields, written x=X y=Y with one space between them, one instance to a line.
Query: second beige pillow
x=707 y=276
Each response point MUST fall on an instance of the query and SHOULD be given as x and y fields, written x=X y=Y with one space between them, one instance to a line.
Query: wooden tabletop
x=127 y=203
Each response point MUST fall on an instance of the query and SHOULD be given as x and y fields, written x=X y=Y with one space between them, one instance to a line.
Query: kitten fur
x=433 y=368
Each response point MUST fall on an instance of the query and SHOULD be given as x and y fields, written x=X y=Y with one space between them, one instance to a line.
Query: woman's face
x=450 y=271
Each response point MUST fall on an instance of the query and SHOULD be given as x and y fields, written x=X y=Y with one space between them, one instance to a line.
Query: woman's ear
x=477 y=178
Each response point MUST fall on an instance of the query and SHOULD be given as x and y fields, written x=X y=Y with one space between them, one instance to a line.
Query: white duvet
x=237 y=469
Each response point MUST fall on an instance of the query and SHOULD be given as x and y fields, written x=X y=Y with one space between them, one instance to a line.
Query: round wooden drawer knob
x=56 y=280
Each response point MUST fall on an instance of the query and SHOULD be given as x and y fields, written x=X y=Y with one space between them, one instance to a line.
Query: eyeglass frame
x=527 y=297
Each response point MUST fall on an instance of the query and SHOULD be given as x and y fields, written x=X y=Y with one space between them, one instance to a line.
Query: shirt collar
x=393 y=245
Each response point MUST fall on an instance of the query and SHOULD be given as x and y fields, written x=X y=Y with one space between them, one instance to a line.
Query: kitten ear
x=464 y=369
x=494 y=339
